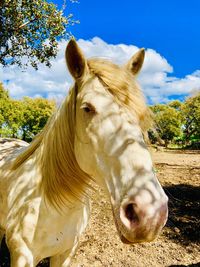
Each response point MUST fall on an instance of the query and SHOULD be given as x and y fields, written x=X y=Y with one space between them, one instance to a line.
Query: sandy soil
x=179 y=244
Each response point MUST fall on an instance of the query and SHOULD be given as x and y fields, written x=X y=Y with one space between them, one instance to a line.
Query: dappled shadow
x=183 y=225
x=11 y=147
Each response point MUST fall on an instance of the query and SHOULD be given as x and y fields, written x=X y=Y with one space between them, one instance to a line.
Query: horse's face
x=109 y=146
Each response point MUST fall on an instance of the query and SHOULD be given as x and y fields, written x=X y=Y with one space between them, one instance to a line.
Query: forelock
x=123 y=86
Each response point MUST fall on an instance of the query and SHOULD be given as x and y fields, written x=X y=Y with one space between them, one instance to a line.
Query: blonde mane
x=62 y=178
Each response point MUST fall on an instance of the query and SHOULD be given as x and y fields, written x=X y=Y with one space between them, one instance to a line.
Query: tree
x=11 y=114
x=168 y=122
x=23 y=118
x=191 y=113
x=36 y=112
x=30 y=29
x=175 y=104
x=4 y=98
x=158 y=108
x=3 y=93
x=13 y=117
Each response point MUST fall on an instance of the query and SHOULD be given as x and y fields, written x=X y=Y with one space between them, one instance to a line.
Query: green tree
x=36 y=112
x=23 y=118
x=3 y=93
x=158 y=108
x=168 y=122
x=30 y=29
x=175 y=104
x=191 y=113
x=11 y=114
x=13 y=117
x=4 y=99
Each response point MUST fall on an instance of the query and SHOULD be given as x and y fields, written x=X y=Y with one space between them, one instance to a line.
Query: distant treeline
x=23 y=118
x=175 y=122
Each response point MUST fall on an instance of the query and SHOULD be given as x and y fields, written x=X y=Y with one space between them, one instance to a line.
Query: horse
x=96 y=136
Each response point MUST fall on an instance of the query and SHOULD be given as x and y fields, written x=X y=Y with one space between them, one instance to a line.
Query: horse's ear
x=75 y=59
x=135 y=63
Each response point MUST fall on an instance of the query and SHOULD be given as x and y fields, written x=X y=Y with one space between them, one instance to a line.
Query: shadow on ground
x=183 y=225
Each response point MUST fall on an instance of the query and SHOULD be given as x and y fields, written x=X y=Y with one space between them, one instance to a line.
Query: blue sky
x=168 y=30
x=170 y=27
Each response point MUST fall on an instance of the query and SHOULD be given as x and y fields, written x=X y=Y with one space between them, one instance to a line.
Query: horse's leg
x=20 y=261
x=20 y=254
x=64 y=259
x=21 y=258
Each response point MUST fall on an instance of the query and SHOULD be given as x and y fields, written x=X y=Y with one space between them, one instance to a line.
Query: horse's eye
x=88 y=108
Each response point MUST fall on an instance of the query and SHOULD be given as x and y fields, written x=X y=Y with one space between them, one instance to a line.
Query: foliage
x=23 y=118
x=35 y=115
x=191 y=113
x=178 y=122
x=3 y=93
x=4 y=96
x=175 y=104
x=30 y=29
x=13 y=117
x=168 y=122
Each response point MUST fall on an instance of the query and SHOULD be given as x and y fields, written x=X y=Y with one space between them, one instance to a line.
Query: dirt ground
x=179 y=243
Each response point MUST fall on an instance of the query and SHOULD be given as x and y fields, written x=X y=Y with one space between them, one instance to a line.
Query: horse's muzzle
x=137 y=222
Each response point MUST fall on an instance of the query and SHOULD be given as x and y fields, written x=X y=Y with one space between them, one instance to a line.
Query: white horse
x=96 y=135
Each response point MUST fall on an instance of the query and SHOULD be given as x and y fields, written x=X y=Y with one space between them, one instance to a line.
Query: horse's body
x=96 y=135
x=33 y=230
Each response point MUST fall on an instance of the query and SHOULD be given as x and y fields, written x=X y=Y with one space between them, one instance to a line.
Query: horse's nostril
x=131 y=214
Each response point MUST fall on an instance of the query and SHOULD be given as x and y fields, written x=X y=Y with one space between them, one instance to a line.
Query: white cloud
x=55 y=82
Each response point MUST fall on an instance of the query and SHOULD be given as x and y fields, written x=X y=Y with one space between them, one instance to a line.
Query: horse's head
x=109 y=144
